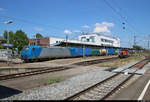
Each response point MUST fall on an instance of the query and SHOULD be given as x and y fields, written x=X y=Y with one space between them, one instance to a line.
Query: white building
x=99 y=39
x=55 y=40
x=91 y=39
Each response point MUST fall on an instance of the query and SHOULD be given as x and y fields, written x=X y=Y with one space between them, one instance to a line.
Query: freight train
x=35 y=53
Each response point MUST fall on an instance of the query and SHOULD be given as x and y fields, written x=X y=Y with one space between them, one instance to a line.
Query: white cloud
x=1 y=9
x=103 y=27
x=38 y=29
x=85 y=26
x=76 y=31
x=108 y=24
x=67 y=32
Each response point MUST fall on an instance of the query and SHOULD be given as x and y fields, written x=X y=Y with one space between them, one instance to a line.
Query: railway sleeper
x=109 y=88
x=89 y=95
x=94 y=97
x=96 y=93
x=101 y=88
x=85 y=97
x=102 y=91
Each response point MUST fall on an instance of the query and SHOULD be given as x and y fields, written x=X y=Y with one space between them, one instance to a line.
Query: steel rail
x=45 y=70
x=90 y=62
x=144 y=62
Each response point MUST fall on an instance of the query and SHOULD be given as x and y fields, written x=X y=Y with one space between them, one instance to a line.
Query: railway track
x=90 y=62
x=53 y=69
x=105 y=88
x=45 y=70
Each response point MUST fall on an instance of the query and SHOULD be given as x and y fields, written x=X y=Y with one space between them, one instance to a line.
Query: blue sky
x=58 y=17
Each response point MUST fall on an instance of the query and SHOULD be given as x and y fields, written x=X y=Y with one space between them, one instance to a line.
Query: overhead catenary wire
x=123 y=17
x=115 y=11
x=123 y=11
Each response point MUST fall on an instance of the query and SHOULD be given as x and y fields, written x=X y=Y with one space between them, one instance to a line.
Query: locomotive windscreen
x=26 y=48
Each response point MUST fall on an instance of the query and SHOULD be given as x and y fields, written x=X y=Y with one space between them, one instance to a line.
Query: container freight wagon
x=117 y=51
x=103 y=51
x=80 y=51
x=110 y=51
x=95 y=52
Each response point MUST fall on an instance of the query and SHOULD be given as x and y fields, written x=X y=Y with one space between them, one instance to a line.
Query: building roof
x=73 y=44
x=38 y=38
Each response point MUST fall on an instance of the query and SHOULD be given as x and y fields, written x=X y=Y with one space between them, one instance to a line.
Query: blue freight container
x=79 y=51
x=88 y=51
x=110 y=51
x=75 y=51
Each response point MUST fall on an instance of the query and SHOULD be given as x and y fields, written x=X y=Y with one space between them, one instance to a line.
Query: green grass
x=120 y=62
x=132 y=58
x=54 y=80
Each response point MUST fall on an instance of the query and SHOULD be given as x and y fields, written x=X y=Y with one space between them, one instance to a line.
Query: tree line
x=19 y=39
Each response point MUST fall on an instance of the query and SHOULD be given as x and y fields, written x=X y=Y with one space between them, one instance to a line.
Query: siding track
x=54 y=69
x=105 y=88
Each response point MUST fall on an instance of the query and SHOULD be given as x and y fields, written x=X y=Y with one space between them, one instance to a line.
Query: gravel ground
x=62 y=90
x=52 y=63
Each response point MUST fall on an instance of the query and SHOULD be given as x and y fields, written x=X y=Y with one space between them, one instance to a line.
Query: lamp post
x=66 y=39
x=8 y=22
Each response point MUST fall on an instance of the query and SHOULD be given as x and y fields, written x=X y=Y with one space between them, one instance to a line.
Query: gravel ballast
x=64 y=89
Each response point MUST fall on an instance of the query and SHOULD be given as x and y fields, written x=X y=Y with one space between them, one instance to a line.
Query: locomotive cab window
x=25 y=49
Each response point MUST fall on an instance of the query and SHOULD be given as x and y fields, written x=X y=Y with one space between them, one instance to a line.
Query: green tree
x=38 y=35
x=5 y=34
x=11 y=38
x=1 y=38
x=1 y=47
x=137 y=47
x=20 y=40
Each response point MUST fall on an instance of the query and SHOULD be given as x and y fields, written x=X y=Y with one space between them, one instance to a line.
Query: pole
x=83 y=51
x=148 y=42
x=148 y=45
x=7 y=48
x=66 y=39
x=134 y=40
x=8 y=22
